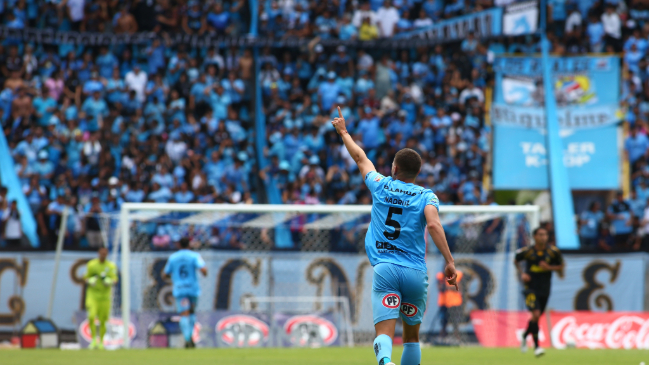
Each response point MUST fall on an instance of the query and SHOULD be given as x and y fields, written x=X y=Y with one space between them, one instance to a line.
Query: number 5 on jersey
x=392 y=223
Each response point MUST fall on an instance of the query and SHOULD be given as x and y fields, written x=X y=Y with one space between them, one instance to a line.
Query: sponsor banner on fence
x=114 y=337
x=521 y=18
x=307 y=330
x=581 y=329
x=587 y=93
x=591 y=282
x=225 y=329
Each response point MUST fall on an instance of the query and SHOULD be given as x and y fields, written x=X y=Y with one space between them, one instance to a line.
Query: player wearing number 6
x=395 y=245
x=182 y=267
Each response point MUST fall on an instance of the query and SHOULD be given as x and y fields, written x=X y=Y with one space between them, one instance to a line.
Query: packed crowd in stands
x=278 y=19
x=90 y=128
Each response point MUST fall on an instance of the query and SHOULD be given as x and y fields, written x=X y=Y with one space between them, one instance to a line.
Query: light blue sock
x=383 y=349
x=184 y=327
x=411 y=354
x=192 y=321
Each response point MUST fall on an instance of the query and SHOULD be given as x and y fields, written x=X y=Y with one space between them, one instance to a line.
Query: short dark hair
x=409 y=163
x=184 y=242
x=537 y=229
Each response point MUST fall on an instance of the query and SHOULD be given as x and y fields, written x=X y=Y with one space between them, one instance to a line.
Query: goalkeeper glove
x=108 y=281
x=92 y=281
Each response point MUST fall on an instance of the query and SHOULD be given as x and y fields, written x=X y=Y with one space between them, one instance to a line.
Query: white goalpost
x=253 y=233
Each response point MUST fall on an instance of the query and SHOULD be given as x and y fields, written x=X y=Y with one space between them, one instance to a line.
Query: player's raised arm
x=357 y=153
x=436 y=231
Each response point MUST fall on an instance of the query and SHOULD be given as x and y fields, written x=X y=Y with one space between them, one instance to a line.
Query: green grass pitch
x=324 y=356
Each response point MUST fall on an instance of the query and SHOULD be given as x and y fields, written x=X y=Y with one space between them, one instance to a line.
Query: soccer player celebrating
x=395 y=245
x=541 y=259
x=100 y=276
x=182 y=266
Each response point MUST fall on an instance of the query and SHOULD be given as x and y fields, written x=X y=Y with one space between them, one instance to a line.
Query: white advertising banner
x=590 y=282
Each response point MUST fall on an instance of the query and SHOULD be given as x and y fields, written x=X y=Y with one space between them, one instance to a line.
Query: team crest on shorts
x=408 y=310
x=391 y=301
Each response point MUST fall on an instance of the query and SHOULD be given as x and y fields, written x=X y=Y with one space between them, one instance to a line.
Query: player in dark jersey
x=401 y=213
x=541 y=260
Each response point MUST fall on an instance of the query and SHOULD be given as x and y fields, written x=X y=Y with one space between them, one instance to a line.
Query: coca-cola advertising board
x=581 y=329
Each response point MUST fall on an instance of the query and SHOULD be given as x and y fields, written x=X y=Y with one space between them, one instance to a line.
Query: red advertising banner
x=505 y=328
x=594 y=330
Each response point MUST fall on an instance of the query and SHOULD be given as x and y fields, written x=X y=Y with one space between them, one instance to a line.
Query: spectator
x=388 y=17
x=596 y=33
x=612 y=28
x=12 y=227
x=124 y=21
x=470 y=43
x=635 y=146
x=136 y=80
x=194 y=20
x=328 y=92
x=590 y=221
x=92 y=226
x=347 y=30
x=362 y=13
x=574 y=21
x=621 y=219
x=423 y=21
x=75 y=10
x=367 y=30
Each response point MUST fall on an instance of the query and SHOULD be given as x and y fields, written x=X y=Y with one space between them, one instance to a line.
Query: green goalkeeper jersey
x=101 y=271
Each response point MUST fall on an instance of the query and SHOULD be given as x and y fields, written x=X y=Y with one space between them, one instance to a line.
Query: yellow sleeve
x=112 y=273
x=89 y=269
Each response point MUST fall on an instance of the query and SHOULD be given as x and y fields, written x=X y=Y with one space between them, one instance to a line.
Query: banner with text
x=587 y=92
x=591 y=282
x=521 y=158
x=581 y=329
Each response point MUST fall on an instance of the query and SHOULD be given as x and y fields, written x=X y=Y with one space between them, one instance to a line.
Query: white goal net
x=264 y=260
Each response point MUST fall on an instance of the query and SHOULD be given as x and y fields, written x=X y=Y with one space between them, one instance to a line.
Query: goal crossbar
x=532 y=211
x=317 y=208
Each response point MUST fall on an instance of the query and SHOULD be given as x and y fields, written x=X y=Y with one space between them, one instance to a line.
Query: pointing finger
x=340 y=113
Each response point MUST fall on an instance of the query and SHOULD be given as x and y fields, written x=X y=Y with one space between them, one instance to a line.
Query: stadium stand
x=92 y=127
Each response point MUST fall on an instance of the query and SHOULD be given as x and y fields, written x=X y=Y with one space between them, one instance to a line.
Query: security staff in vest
x=449 y=301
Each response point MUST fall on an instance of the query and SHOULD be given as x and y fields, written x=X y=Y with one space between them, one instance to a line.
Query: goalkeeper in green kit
x=101 y=275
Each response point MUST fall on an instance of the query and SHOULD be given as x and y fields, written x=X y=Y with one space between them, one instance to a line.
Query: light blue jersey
x=396 y=232
x=182 y=267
